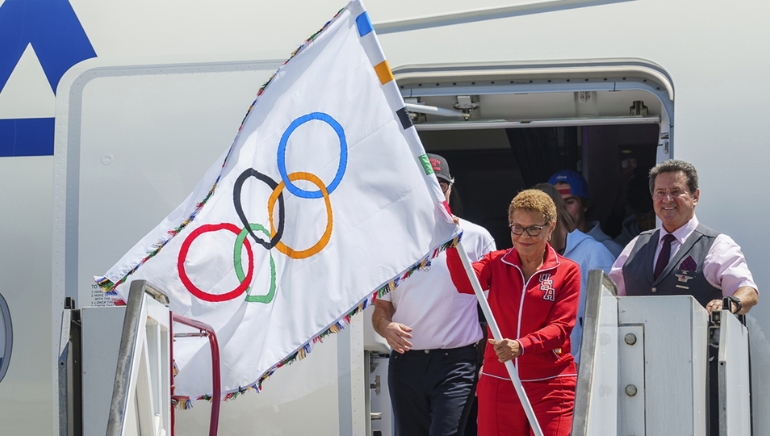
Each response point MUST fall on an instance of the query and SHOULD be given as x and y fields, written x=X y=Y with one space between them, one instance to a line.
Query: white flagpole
x=498 y=336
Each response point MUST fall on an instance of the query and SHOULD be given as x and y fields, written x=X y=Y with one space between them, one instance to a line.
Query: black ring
x=251 y=172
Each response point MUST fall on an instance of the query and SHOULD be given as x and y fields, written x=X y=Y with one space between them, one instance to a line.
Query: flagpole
x=396 y=102
x=498 y=336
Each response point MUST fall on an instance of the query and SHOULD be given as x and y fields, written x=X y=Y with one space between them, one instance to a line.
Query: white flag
x=324 y=202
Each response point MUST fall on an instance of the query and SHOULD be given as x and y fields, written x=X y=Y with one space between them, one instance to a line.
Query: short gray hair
x=674 y=166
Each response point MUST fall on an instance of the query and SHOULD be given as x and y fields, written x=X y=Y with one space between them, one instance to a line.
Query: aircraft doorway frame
x=476 y=79
x=539 y=95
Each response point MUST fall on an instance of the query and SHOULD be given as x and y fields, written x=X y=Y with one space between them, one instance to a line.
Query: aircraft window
x=6 y=337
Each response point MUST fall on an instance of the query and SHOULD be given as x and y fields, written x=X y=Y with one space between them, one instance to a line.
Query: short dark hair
x=675 y=166
x=563 y=218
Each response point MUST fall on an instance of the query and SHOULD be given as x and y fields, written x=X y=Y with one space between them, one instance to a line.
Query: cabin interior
x=491 y=166
x=502 y=136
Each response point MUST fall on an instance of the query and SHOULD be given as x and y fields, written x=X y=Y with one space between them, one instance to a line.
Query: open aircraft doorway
x=504 y=128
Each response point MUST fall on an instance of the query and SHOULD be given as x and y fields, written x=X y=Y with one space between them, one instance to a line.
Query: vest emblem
x=546 y=285
x=686 y=271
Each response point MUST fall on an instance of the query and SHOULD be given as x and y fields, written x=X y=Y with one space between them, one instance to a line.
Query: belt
x=445 y=351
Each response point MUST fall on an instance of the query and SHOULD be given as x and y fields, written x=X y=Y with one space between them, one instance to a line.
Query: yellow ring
x=280 y=246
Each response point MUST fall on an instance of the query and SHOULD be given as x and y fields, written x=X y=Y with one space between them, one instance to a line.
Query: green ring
x=239 y=241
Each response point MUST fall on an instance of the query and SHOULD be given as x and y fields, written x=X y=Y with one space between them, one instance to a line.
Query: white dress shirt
x=725 y=266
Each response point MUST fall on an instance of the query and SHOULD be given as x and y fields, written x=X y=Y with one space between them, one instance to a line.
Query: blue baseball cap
x=577 y=184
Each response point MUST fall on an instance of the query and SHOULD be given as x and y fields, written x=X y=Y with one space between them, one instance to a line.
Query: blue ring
x=320 y=116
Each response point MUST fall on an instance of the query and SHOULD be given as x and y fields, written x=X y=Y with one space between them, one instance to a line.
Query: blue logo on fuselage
x=59 y=41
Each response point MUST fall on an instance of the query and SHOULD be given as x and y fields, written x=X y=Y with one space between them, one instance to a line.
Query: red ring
x=205 y=296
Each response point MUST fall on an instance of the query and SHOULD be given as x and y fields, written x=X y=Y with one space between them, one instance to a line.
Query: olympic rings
x=320 y=116
x=251 y=172
x=239 y=268
x=205 y=296
x=274 y=236
x=283 y=248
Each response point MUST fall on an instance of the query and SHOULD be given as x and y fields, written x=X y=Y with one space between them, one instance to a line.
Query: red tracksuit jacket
x=539 y=313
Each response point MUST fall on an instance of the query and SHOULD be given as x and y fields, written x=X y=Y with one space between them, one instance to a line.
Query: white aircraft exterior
x=154 y=91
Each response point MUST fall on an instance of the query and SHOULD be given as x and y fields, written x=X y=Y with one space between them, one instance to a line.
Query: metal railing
x=216 y=395
x=590 y=349
x=147 y=332
x=131 y=342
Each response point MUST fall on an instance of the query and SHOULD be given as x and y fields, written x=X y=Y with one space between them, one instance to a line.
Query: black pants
x=430 y=390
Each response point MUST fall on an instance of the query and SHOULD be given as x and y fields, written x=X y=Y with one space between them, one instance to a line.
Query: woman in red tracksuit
x=533 y=293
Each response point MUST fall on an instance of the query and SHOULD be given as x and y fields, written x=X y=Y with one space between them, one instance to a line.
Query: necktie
x=665 y=254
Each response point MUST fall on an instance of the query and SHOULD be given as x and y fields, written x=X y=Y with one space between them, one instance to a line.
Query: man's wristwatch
x=737 y=302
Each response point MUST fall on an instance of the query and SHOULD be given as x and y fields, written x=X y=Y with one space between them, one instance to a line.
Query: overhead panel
x=558 y=94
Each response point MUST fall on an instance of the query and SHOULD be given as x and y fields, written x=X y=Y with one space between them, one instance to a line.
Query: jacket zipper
x=521 y=303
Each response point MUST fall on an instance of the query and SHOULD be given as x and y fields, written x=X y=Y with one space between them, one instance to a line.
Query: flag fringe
x=104 y=283
x=338 y=325
x=181 y=402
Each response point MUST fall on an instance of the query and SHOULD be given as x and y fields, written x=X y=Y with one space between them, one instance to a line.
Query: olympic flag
x=324 y=202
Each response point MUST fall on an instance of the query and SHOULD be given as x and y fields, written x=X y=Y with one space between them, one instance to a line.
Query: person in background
x=642 y=216
x=533 y=293
x=576 y=245
x=574 y=191
x=433 y=330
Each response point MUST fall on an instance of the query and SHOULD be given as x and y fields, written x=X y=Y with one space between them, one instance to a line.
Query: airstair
x=649 y=367
x=129 y=349
x=645 y=367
